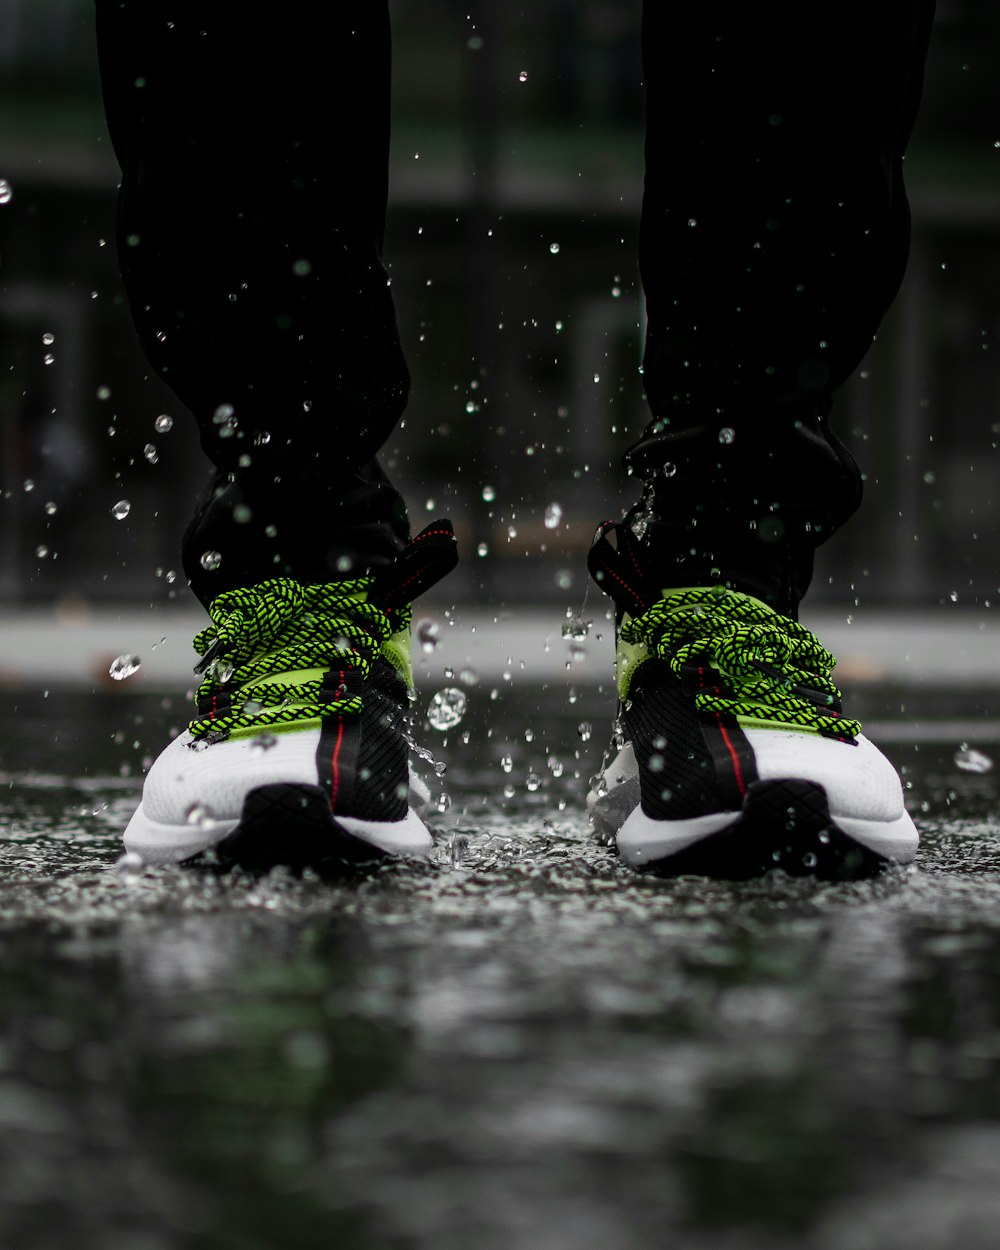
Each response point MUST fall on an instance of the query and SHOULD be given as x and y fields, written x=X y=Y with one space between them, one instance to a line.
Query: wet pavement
x=520 y=1043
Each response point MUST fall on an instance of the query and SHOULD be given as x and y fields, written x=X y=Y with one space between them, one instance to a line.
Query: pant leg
x=253 y=144
x=774 y=237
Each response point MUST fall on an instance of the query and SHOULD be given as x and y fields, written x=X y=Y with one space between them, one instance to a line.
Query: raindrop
x=585 y=729
x=48 y=359
x=129 y=866
x=163 y=423
x=969 y=760
x=428 y=635
x=469 y=677
x=555 y=766
x=523 y=76
x=223 y=414
x=575 y=628
x=482 y=550
x=261 y=438
x=457 y=847
x=210 y=560
x=447 y=708
x=727 y=435
x=489 y=494
x=6 y=191
x=41 y=551
x=242 y=514
x=553 y=515
x=443 y=802
x=532 y=782
x=197 y=814
x=51 y=509
x=506 y=763
x=121 y=509
x=554 y=249
x=668 y=470
x=124 y=666
x=29 y=486
x=103 y=392
x=810 y=859
x=149 y=451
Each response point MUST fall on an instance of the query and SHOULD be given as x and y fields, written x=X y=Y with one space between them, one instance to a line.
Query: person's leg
x=774 y=237
x=253 y=148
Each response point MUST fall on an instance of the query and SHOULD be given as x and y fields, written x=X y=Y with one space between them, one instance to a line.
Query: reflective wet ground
x=518 y=1044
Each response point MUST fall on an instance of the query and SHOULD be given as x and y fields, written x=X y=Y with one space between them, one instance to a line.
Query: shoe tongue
x=422 y=562
x=617 y=563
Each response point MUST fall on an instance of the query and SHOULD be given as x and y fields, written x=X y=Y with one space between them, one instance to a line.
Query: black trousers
x=774 y=236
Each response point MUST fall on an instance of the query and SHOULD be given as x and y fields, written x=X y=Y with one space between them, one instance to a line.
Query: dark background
x=524 y=360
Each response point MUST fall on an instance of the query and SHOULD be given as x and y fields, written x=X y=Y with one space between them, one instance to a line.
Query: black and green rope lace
x=280 y=626
x=775 y=668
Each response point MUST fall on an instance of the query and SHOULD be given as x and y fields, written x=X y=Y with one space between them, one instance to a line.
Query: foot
x=298 y=753
x=731 y=753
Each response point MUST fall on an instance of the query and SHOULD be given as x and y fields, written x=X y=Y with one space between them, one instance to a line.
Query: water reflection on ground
x=518 y=1044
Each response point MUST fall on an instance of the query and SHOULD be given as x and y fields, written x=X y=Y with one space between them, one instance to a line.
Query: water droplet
x=124 y=666
x=532 y=782
x=51 y=509
x=210 y=560
x=489 y=494
x=556 y=766
x=129 y=866
x=29 y=486
x=6 y=191
x=585 y=729
x=41 y=551
x=482 y=550
x=261 y=438
x=443 y=802
x=48 y=359
x=103 y=392
x=554 y=249
x=824 y=836
x=170 y=576
x=469 y=677
x=553 y=515
x=727 y=435
x=428 y=635
x=810 y=859
x=198 y=814
x=969 y=760
x=121 y=509
x=506 y=763
x=447 y=708
x=242 y=514
x=523 y=76
x=149 y=451
x=263 y=742
x=163 y=423
x=457 y=847
x=668 y=470
x=575 y=628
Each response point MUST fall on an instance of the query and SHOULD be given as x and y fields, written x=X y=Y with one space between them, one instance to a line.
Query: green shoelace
x=281 y=626
x=775 y=668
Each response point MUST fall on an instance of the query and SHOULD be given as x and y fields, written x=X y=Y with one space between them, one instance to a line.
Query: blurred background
x=515 y=190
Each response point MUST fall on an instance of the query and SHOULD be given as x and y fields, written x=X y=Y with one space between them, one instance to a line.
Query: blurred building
x=515 y=183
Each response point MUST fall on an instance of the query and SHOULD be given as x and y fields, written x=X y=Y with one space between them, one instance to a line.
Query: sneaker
x=731 y=754
x=298 y=753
